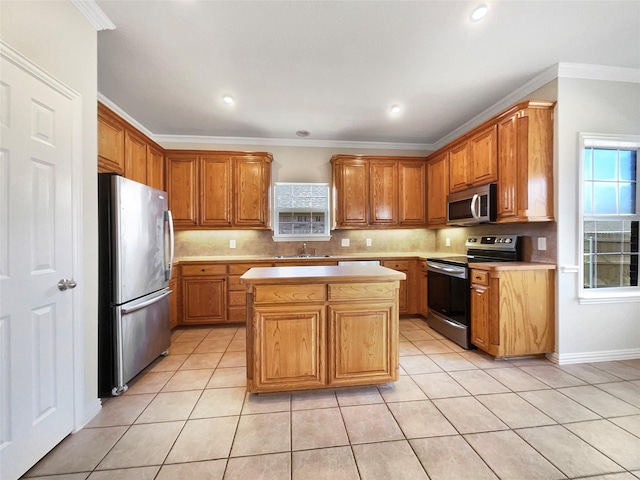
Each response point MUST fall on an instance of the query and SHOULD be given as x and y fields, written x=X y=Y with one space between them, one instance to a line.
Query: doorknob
x=65 y=284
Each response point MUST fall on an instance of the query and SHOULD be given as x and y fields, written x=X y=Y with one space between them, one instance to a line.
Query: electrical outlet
x=232 y=244
x=345 y=242
x=542 y=243
x=447 y=242
x=369 y=242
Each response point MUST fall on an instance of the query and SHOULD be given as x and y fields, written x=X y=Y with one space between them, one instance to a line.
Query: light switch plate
x=345 y=242
x=232 y=244
x=369 y=242
x=447 y=241
x=542 y=243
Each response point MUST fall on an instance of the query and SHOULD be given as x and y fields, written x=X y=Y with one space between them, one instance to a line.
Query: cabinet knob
x=202 y=270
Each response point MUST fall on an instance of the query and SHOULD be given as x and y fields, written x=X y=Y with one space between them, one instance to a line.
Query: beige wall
x=59 y=39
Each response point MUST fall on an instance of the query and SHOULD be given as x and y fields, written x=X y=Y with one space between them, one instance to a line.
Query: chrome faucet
x=304 y=250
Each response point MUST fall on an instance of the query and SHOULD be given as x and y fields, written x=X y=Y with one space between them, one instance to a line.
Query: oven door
x=448 y=292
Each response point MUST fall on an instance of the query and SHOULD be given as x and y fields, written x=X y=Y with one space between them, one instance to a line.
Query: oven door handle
x=448 y=270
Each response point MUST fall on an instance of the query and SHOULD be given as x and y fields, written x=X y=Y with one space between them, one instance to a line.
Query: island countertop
x=325 y=274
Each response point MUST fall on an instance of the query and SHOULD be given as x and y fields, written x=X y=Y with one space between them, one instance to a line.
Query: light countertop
x=321 y=274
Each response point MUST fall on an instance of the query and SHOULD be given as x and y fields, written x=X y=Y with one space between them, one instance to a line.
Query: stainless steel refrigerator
x=135 y=262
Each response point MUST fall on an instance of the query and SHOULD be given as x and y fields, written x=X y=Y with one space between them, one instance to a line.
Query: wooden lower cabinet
x=403 y=294
x=292 y=348
x=423 y=301
x=512 y=309
x=173 y=303
x=204 y=294
x=360 y=343
x=308 y=336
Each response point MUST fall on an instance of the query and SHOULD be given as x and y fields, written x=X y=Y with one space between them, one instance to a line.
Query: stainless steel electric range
x=449 y=283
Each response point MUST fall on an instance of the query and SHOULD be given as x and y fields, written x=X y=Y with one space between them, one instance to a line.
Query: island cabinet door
x=363 y=343
x=290 y=349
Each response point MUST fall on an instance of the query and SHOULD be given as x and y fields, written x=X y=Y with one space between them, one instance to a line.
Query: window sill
x=301 y=238
x=619 y=296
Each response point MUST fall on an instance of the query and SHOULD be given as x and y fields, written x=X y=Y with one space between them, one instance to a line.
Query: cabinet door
x=384 y=192
x=252 y=180
x=110 y=143
x=182 y=187
x=290 y=352
x=363 y=343
x=412 y=207
x=215 y=191
x=483 y=149
x=351 y=180
x=508 y=168
x=135 y=157
x=155 y=167
x=423 y=291
x=480 y=316
x=437 y=190
x=204 y=300
x=459 y=168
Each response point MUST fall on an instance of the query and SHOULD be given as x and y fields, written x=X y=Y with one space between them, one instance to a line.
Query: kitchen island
x=321 y=327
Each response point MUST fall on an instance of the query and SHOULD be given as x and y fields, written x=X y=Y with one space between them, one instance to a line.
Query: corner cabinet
x=379 y=191
x=209 y=189
x=512 y=308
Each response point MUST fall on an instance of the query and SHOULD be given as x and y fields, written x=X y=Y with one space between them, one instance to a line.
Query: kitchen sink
x=302 y=256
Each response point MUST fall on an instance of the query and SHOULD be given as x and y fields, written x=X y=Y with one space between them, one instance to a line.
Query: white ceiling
x=335 y=67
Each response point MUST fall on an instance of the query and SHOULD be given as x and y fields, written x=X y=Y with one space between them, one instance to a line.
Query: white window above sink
x=301 y=212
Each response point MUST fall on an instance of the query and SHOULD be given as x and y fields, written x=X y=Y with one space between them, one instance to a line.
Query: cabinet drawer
x=480 y=277
x=237 y=314
x=204 y=269
x=402 y=265
x=242 y=268
x=237 y=299
x=289 y=293
x=361 y=291
x=235 y=284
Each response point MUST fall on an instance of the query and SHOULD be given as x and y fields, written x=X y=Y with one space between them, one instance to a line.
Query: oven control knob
x=507 y=240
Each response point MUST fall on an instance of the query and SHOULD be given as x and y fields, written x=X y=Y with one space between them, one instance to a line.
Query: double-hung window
x=610 y=216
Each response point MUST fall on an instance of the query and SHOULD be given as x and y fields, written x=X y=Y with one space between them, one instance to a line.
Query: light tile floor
x=454 y=414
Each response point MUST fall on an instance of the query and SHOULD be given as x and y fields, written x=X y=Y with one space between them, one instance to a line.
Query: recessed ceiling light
x=479 y=13
x=395 y=109
x=303 y=133
x=228 y=99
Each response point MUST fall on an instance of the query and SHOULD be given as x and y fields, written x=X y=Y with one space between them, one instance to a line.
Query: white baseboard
x=590 y=357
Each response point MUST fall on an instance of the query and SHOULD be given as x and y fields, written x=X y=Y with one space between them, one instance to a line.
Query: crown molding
x=104 y=100
x=290 y=142
x=598 y=72
x=95 y=15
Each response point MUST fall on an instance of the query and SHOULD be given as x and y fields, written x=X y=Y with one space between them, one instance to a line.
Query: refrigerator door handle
x=169 y=220
x=145 y=304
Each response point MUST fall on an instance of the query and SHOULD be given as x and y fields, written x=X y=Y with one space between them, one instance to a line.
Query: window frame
x=315 y=237
x=611 y=294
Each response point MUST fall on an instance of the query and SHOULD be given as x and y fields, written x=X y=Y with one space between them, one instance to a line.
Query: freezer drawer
x=139 y=333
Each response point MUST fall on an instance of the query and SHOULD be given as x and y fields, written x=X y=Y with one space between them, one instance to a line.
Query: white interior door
x=36 y=248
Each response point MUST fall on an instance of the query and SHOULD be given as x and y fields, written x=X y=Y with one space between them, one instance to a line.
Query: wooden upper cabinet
x=437 y=189
x=252 y=180
x=379 y=191
x=215 y=191
x=525 y=167
x=123 y=149
x=155 y=167
x=110 y=141
x=383 y=186
x=474 y=161
x=351 y=182
x=182 y=187
x=135 y=157
x=412 y=194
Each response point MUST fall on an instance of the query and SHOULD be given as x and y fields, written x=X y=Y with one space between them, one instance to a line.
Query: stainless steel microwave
x=473 y=206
